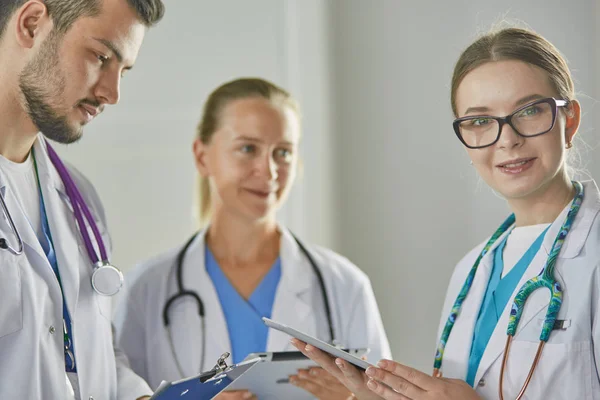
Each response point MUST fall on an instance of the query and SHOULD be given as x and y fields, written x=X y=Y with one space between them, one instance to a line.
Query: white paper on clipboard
x=268 y=380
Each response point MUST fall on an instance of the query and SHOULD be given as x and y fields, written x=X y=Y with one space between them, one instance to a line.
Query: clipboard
x=268 y=379
x=205 y=385
x=327 y=348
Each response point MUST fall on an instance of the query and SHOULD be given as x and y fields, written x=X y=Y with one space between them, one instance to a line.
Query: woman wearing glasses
x=522 y=311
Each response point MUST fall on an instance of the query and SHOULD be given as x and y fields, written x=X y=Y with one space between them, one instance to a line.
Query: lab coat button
x=481 y=383
x=91 y=398
x=52 y=330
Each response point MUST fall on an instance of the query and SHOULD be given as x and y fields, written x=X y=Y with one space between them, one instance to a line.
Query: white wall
x=138 y=153
x=385 y=182
x=410 y=206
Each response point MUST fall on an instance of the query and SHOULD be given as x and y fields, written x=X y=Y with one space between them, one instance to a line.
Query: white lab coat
x=32 y=364
x=568 y=368
x=298 y=303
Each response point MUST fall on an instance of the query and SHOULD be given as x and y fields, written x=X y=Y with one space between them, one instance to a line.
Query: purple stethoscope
x=107 y=279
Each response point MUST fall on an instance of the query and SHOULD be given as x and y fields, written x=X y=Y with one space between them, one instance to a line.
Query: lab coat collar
x=60 y=219
x=292 y=294
x=66 y=238
x=458 y=347
x=31 y=244
x=539 y=300
x=294 y=270
x=576 y=238
x=536 y=302
x=292 y=304
x=196 y=279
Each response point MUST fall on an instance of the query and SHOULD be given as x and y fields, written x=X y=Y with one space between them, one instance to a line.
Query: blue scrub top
x=498 y=292
x=48 y=246
x=247 y=332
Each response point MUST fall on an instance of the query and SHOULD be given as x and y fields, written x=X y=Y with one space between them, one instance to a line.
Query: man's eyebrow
x=111 y=46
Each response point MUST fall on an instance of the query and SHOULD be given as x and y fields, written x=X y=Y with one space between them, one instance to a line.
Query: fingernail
x=372 y=384
x=370 y=371
x=308 y=348
x=314 y=372
x=293 y=381
x=248 y=395
x=339 y=363
x=382 y=364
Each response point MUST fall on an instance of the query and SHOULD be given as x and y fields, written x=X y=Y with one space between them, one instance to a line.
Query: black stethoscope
x=182 y=292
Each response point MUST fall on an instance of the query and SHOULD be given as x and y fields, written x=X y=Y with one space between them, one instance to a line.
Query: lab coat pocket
x=11 y=303
x=564 y=370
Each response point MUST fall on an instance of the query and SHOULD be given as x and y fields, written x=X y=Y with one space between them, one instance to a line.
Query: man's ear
x=31 y=21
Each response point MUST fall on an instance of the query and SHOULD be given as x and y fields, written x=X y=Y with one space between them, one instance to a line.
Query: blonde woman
x=187 y=307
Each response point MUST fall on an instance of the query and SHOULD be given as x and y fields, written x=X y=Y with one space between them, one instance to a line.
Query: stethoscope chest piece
x=107 y=279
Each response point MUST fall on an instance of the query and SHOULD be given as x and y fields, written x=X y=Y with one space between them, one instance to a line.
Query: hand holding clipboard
x=319 y=344
x=347 y=369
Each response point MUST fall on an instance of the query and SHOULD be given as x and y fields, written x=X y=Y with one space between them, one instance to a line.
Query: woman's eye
x=480 y=121
x=248 y=148
x=102 y=59
x=529 y=111
x=284 y=154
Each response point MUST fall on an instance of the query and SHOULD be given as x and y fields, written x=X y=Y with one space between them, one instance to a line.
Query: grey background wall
x=385 y=181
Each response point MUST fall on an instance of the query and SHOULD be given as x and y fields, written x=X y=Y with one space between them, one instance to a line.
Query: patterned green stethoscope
x=544 y=280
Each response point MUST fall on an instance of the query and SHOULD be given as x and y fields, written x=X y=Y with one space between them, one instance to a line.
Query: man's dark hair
x=65 y=12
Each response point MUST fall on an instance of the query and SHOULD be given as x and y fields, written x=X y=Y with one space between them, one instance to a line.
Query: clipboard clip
x=220 y=367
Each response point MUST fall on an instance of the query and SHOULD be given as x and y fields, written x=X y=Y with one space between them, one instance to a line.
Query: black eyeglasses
x=533 y=119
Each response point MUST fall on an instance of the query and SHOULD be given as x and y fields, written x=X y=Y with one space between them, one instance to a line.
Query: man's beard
x=42 y=83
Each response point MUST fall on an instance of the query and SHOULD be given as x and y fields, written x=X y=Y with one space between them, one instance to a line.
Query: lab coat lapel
x=580 y=229
x=540 y=299
x=196 y=279
x=292 y=301
x=66 y=237
x=458 y=348
x=536 y=302
x=31 y=244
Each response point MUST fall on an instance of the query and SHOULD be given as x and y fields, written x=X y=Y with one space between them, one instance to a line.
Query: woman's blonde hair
x=237 y=89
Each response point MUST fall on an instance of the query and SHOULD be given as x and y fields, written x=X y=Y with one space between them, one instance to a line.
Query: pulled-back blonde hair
x=237 y=89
